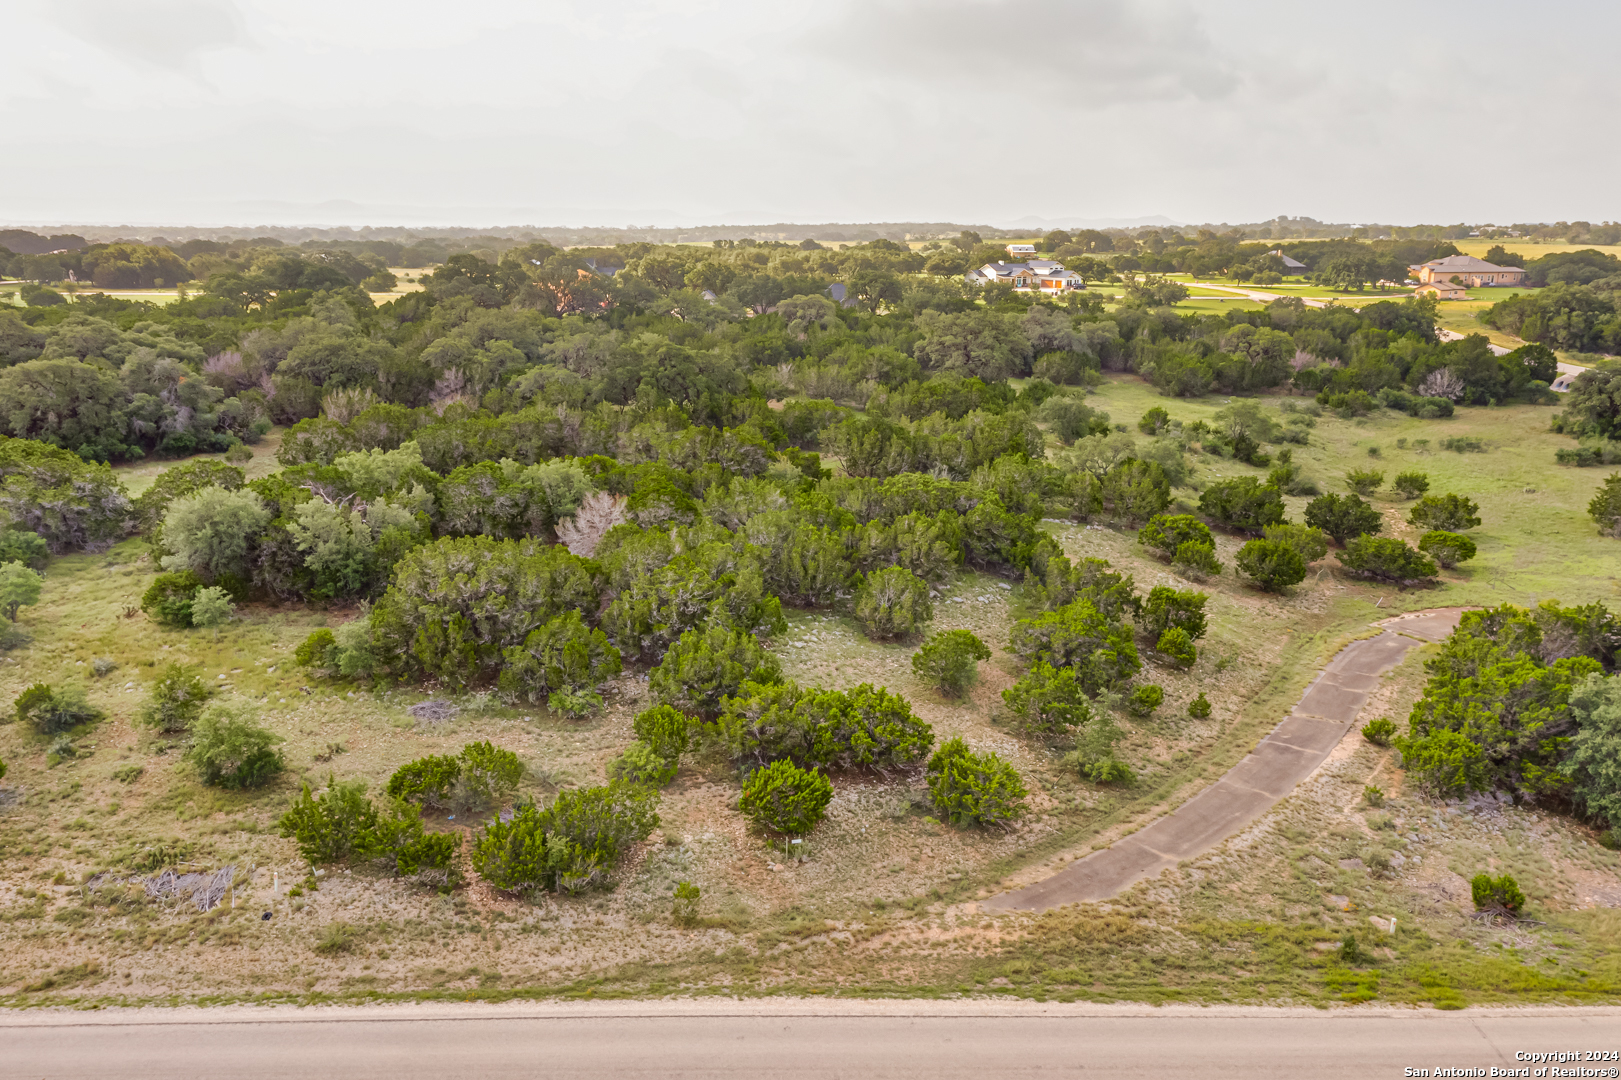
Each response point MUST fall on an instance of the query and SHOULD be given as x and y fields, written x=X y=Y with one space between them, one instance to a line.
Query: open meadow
x=883 y=898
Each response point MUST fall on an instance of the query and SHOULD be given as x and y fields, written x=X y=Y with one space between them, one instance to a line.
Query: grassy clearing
x=883 y=902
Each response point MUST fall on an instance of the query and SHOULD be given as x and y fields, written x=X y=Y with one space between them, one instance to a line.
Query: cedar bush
x=430 y=781
x=641 y=764
x=231 y=749
x=1196 y=561
x=1167 y=608
x=1605 y=507
x=1497 y=894
x=1343 y=517
x=1272 y=565
x=1448 y=513
x=784 y=798
x=1176 y=644
x=1379 y=732
x=1165 y=533
x=1410 y=485
x=1199 y=707
x=1243 y=505
x=1309 y=541
x=1145 y=699
x=1447 y=548
x=861 y=728
x=663 y=729
x=1364 y=482
x=22 y=546
x=704 y=667
x=51 y=710
x=341 y=823
x=175 y=700
x=571 y=845
x=974 y=789
x=892 y=604
x=564 y=657
x=1047 y=700
x=1078 y=635
x=168 y=599
x=1388 y=560
x=950 y=661
x=489 y=775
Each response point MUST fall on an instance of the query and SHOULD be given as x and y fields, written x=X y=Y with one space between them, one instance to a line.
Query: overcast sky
x=673 y=112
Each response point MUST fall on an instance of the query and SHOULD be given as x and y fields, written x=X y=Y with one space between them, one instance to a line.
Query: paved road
x=869 y=1040
x=1289 y=754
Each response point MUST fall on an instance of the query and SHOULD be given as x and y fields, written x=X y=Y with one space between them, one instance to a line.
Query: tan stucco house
x=1469 y=270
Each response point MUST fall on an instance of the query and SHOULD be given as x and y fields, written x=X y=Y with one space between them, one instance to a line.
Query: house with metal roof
x=1037 y=275
x=1466 y=270
x=1291 y=267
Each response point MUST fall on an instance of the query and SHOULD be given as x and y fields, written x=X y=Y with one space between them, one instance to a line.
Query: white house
x=1036 y=275
x=1019 y=251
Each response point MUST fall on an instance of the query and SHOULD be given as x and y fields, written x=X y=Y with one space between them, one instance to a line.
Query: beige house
x=1443 y=290
x=1469 y=270
x=1039 y=275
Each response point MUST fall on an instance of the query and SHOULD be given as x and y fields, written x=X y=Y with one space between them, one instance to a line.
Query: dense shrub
x=974 y=789
x=863 y=728
x=1447 y=548
x=230 y=749
x=1410 y=484
x=571 y=845
x=1364 y=481
x=1243 y=505
x=1272 y=564
x=1343 y=517
x=489 y=776
x=1197 y=561
x=1448 y=513
x=664 y=729
x=22 y=546
x=73 y=503
x=1500 y=894
x=563 y=657
x=168 y=599
x=335 y=825
x=211 y=532
x=1167 y=608
x=1176 y=644
x=1135 y=491
x=1048 y=701
x=1165 y=533
x=707 y=666
x=1387 y=560
x=1145 y=699
x=1605 y=507
x=1380 y=732
x=1310 y=542
x=458 y=604
x=430 y=781
x=784 y=798
x=1079 y=636
x=1594 y=760
x=641 y=764
x=892 y=604
x=50 y=710
x=1199 y=707
x=950 y=661
x=179 y=481
x=175 y=701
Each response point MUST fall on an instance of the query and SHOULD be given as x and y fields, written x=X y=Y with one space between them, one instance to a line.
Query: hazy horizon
x=216 y=113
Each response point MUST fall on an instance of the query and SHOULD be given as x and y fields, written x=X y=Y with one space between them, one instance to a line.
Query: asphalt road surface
x=1290 y=753
x=870 y=1040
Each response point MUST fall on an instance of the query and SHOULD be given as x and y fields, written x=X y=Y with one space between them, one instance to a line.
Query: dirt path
x=1290 y=753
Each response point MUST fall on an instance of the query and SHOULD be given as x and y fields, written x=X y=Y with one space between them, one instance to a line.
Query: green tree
x=1447 y=548
x=1167 y=608
x=563 y=657
x=1605 y=508
x=339 y=823
x=1176 y=644
x=949 y=661
x=1272 y=564
x=28 y=548
x=1165 y=533
x=892 y=603
x=1196 y=561
x=1595 y=748
x=571 y=845
x=72 y=503
x=52 y=710
x=706 y=666
x=1242 y=505
x=1048 y=701
x=168 y=600
x=1410 y=484
x=1449 y=513
x=19 y=587
x=1079 y=636
x=1135 y=490
x=1199 y=707
x=489 y=775
x=784 y=798
x=1344 y=517
x=974 y=789
x=863 y=728
x=1364 y=482
x=664 y=729
x=230 y=749
x=430 y=781
x=1309 y=541
x=210 y=607
x=1154 y=421
x=212 y=531
x=176 y=482
x=1145 y=699
x=1387 y=560
x=175 y=701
